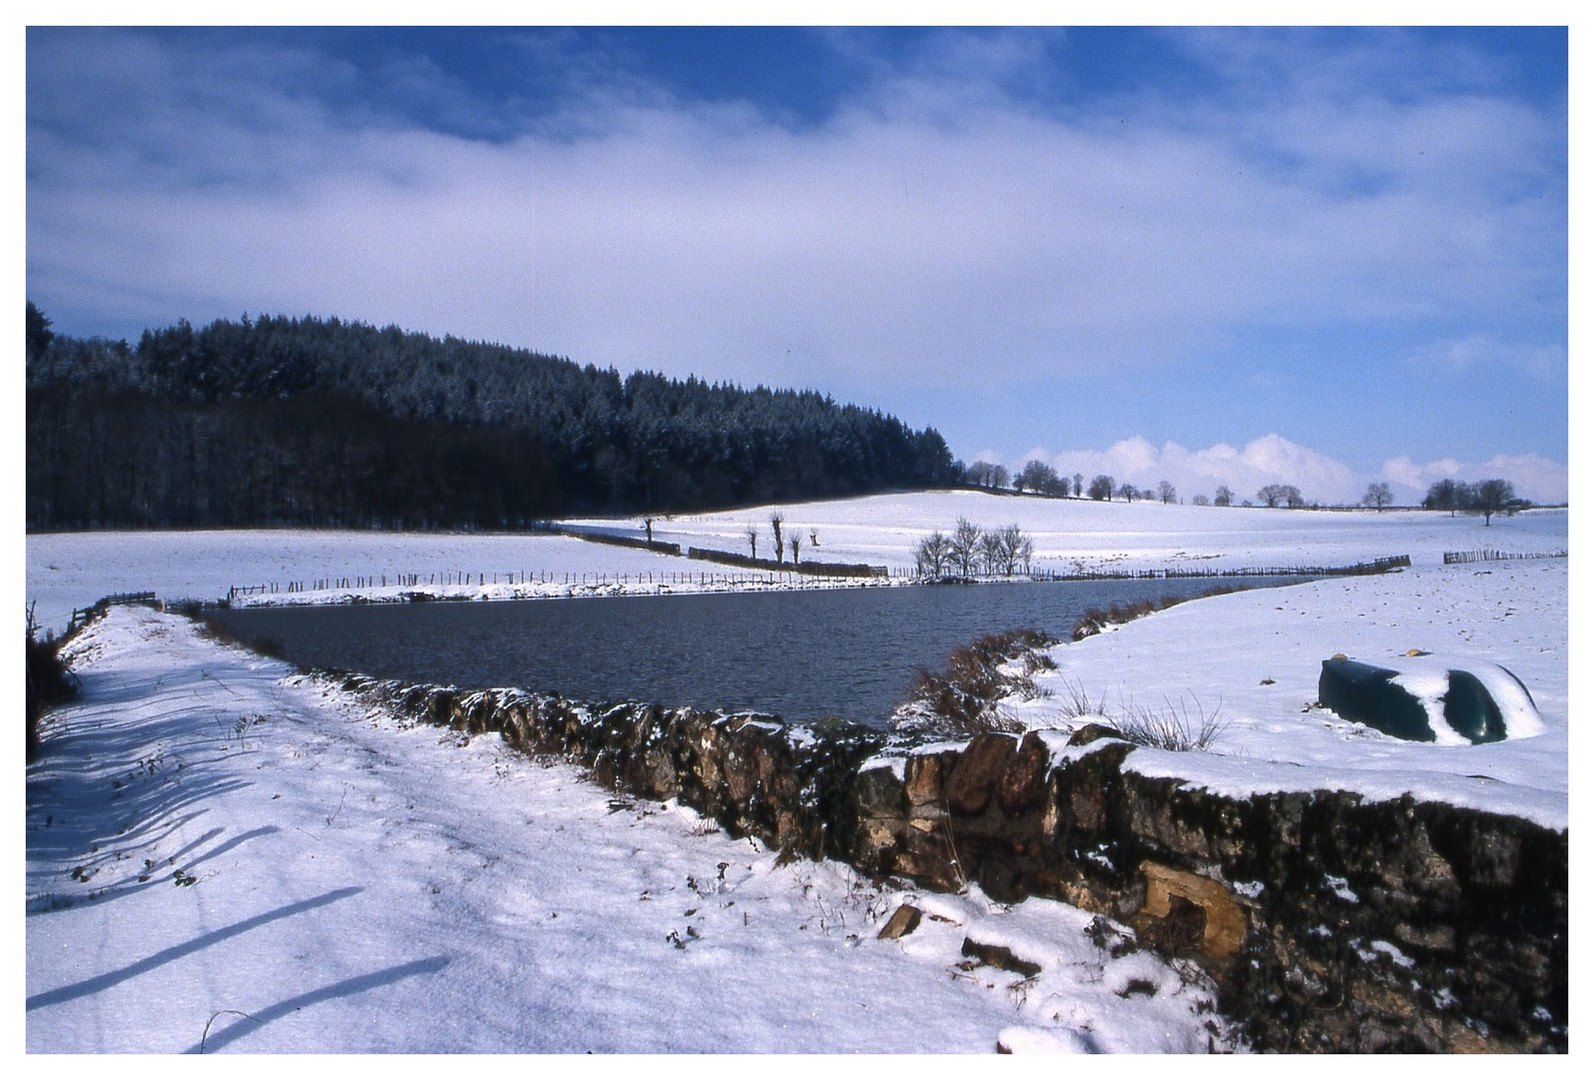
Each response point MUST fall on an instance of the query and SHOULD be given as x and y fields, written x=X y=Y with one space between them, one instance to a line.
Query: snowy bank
x=1254 y=659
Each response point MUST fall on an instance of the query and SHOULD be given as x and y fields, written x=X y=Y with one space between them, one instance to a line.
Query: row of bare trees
x=783 y=539
x=969 y=550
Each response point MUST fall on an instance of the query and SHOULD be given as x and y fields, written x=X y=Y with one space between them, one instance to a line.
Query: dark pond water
x=798 y=655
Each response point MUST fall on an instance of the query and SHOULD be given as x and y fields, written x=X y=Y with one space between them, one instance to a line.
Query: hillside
x=326 y=423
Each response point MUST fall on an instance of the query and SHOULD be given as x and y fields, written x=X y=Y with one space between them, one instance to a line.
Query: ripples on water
x=798 y=655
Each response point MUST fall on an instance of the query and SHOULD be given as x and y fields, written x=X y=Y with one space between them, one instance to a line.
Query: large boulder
x=1427 y=699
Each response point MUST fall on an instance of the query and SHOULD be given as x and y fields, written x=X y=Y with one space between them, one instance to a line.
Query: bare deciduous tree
x=986 y=475
x=991 y=553
x=1274 y=494
x=1445 y=495
x=1009 y=550
x=998 y=551
x=965 y=547
x=1490 y=497
x=933 y=555
x=1040 y=478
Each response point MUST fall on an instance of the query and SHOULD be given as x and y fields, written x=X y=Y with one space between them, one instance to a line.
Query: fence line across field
x=1454 y=557
x=478 y=579
x=704 y=579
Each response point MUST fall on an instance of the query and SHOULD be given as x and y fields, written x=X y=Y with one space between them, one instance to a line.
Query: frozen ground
x=227 y=858
x=317 y=878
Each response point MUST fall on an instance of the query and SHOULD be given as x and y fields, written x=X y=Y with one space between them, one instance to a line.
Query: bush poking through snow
x=49 y=683
x=963 y=700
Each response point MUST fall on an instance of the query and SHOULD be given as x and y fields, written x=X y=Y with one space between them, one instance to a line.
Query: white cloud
x=1532 y=477
x=1481 y=352
x=936 y=233
x=949 y=239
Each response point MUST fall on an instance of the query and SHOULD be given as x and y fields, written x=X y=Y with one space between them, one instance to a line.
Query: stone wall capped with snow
x=1328 y=922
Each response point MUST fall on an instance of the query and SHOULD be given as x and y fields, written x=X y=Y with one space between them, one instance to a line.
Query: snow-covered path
x=227 y=857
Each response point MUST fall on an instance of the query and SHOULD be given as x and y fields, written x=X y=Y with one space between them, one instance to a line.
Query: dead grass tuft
x=1183 y=724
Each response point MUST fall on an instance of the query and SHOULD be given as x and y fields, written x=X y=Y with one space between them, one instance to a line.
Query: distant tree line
x=1486 y=498
x=322 y=422
x=985 y=475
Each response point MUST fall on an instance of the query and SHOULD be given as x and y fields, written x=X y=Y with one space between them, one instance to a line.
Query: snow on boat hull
x=1426 y=700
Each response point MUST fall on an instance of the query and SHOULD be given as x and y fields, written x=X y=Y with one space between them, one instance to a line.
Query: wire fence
x=517 y=578
x=1454 y=557
x=1376 y=566
x=704 y=579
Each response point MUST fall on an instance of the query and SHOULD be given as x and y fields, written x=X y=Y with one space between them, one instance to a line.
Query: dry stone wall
x=1328 y=923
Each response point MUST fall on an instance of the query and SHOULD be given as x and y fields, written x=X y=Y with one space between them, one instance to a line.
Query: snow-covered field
x=316 y=877
x=1073 y=535
x=72 y=570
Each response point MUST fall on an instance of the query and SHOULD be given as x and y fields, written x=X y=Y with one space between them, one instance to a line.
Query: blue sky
x=1316 y=256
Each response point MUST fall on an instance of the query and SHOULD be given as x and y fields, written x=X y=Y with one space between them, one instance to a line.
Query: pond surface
x=797 y=655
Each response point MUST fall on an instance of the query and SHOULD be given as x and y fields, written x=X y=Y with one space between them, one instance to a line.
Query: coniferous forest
x=327 y=423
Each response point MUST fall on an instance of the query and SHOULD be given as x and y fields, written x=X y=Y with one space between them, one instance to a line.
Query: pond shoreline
x=577 y=586
x=802 y=654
